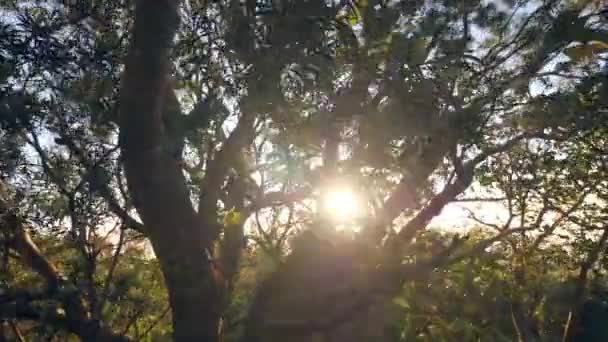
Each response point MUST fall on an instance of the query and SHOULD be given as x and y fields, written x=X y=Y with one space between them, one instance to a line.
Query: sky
x=455 y=215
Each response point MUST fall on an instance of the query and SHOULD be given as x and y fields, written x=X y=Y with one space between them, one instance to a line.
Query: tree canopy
x=271 y=170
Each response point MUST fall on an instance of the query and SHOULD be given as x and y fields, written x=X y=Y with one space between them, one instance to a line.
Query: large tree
x=213 y=113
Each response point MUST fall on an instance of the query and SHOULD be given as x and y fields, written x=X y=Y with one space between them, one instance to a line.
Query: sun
x=341 y=204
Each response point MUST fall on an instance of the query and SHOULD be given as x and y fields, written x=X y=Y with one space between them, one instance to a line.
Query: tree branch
x=20 y=241
x=218 y=167
x=277 y=198
x=110 y=274
x=76 y=318
x=451 y=191
x=570 y=328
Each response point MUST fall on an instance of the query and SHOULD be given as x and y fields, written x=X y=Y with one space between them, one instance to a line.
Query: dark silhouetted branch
x=572 y=323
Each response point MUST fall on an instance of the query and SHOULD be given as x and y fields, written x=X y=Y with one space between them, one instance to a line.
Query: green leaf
x=233 y=218
x=401 y=302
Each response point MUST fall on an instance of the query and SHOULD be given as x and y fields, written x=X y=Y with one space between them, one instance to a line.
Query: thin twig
x=155 y=323
x=16 y=331
x=110 y=274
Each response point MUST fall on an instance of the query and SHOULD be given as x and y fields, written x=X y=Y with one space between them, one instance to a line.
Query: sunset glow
x=341 y=204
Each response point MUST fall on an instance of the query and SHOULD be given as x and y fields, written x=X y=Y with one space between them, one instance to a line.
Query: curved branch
x=20 y=241
x=76 y=318
x=451 y=191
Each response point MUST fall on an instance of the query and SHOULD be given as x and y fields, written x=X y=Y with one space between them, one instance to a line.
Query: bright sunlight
x=341 y=203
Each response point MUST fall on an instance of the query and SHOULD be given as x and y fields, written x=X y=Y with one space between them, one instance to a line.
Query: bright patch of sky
x=342 y=201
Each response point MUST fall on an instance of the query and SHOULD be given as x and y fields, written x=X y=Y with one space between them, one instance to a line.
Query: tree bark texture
x=155 y=178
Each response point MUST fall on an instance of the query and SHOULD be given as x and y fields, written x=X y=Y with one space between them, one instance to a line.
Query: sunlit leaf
x=233 y=218
x=400 y=301
x=587 y=51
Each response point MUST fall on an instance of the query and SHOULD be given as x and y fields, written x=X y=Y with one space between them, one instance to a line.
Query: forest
x=304 y=170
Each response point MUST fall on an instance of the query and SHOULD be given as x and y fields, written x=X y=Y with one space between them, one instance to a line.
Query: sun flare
x=341 y=204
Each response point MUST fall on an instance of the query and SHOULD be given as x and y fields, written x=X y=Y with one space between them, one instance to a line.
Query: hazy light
x=341 y=204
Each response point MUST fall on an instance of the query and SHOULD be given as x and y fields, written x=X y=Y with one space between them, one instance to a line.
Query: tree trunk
x=156 y=181
x=193 y=295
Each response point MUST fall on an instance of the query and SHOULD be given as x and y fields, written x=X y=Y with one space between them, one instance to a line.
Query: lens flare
x=341 y=204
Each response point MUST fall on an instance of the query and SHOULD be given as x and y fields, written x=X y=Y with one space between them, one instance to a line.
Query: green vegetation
x=299 y=170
